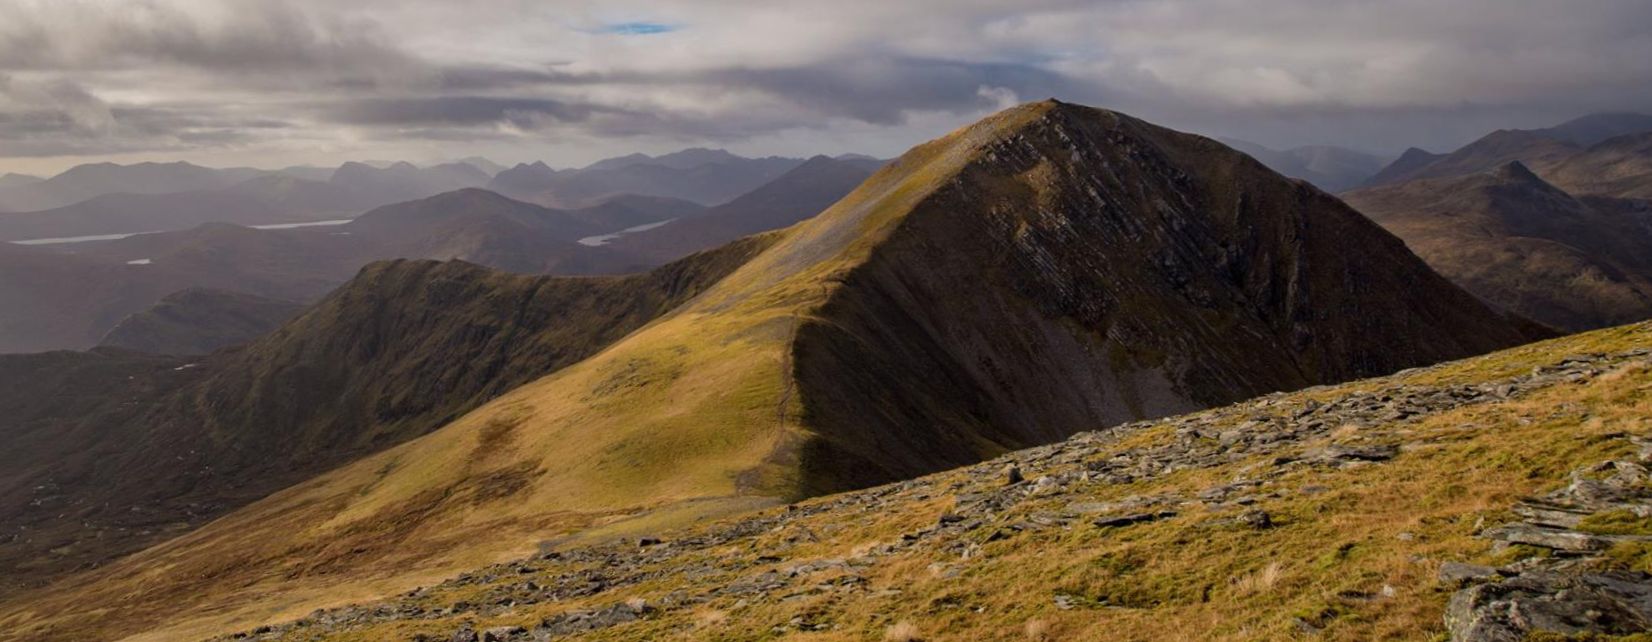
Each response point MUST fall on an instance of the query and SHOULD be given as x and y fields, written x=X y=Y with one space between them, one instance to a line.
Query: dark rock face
x=1091 y=269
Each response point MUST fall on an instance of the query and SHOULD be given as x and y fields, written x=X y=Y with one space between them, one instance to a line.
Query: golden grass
x=1353 y=552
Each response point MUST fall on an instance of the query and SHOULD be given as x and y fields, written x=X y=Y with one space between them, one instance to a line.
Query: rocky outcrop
x=1568 y=590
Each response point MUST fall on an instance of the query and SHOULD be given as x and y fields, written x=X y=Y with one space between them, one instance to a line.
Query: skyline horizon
x=58 y=165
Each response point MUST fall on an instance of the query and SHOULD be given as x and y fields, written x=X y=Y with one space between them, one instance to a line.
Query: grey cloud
x=528 y=113
x=248 y=36
x=117 y=76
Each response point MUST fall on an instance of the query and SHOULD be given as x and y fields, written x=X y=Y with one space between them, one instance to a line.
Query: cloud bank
x=258 y=81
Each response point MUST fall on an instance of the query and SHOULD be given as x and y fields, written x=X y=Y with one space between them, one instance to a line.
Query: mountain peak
x=1515 y=171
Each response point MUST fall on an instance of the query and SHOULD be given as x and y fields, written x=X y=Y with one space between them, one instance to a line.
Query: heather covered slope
x=400 y=350
x=836 y=358
x=1515 y=240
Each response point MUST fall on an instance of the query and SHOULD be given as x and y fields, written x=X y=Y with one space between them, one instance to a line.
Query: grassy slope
x=688 y=408
x=1353 y=551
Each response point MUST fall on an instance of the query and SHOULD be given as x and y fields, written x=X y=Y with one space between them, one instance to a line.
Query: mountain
x=404 y=182
x=1484 y=499
x=1327 y=167
x=1595 y=128
x=53 y=299
x=1539 y=149
x=1620 y=167
x=1517 y=241
x=403 y=348
x=684 y=159
x=50 y=300
x=131 y=213
x=301 y=264
x=1494 y=150
x=309 y=172
x=198 y=321
x=630 y=210
x=1410 y=162
x=82 y=182
x=262 y=200
x=1115 y=271
x=523 y=179
x=486 y=165
x=708 y=177
x=795 y=196
x=10 y=180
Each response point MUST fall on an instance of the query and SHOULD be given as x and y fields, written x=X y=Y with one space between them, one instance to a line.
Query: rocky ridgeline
x=1048 y=488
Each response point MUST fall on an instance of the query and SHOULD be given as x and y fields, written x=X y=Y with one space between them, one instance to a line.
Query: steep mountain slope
x=1328 y=167
x=199 y=321
x=1519 y=242
x=1110 y=270
x=1400 y=508
x=400 y=350
x=796 y=195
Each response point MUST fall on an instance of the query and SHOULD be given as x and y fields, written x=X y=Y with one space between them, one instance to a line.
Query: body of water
x=116 y=237
x=604 y=239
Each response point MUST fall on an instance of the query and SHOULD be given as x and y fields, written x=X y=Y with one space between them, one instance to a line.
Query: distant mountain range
x=301 y=264
x=1328 y=167
x=705 y=176
x=1551 y=223
x=1538 y=149
x=1574 y=262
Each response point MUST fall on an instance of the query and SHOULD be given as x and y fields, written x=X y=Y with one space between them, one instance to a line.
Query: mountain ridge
x=801 y=371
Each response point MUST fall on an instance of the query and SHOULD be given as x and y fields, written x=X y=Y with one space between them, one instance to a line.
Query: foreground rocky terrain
x=1494 y=498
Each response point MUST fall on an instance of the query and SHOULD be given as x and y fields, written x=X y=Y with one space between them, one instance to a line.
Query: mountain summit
x=1051 y=269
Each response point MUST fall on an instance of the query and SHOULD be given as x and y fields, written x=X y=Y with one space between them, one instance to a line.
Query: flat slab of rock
x=1512 y=610
x=1458 y=573
x=1555 y=538
x=1136 y=518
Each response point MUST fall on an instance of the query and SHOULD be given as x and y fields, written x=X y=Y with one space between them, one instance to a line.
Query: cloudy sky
x=278 y=82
